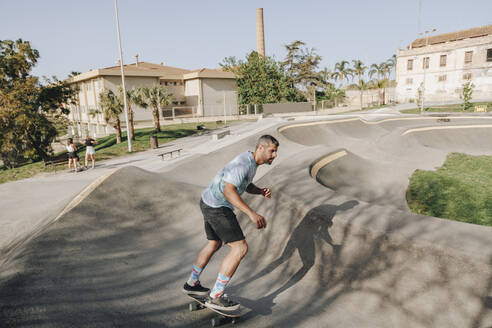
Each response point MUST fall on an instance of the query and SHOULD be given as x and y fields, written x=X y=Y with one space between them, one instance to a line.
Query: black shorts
x=73 y=155
x=221 y=224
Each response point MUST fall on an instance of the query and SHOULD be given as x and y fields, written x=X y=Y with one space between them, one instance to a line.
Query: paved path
x=28 y=205
x=344 y=252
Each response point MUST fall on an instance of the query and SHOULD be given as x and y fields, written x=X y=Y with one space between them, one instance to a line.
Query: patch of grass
x=455 y=108
x=108 y=148
x=459 y=190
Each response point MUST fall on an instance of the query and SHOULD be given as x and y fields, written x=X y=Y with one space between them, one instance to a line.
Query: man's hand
x=266 y=192
x=258 y=220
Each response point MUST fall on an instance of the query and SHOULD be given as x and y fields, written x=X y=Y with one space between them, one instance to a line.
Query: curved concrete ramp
x=361 y=178
x=328 y=258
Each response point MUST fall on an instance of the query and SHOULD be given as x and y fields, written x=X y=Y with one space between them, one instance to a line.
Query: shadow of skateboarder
x=314 y=226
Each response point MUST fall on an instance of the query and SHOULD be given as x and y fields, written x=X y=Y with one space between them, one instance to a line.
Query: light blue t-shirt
x=239 y=172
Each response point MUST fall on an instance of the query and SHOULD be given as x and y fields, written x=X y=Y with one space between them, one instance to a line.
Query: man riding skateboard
x=221 y=225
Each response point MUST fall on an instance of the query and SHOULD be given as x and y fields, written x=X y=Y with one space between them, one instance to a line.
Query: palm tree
x=359 y=70
x=341 y=72
x=390 y=65
x=361 y=86
x=380 y=71
x=132 y=99
x=155 y=97
x=112 y=108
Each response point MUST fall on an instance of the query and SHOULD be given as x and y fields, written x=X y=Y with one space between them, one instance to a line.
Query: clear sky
x=78 y=35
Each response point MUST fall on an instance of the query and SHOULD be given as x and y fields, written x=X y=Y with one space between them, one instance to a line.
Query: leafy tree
x=31 y=114
x=260 y=80
x=112 y=107
x=333 y=95
x=155 y=97
x=301 y=68
x=74 y=73
x=466 y=95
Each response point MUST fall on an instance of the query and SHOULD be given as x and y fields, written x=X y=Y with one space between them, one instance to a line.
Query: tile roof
x=453 y=36
x=145 y=66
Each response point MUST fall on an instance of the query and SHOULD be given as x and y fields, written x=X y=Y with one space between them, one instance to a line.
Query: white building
x=203 y=92
x=443 y=63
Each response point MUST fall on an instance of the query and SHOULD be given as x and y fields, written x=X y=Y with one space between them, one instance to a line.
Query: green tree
x=466 y=95
x=154 y=97
x=259 y=80
x=31 y=114
x=112 y=107
x=301 y=68
x=333 y=95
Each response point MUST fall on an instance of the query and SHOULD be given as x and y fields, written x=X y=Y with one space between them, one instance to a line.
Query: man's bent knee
x=240 y=247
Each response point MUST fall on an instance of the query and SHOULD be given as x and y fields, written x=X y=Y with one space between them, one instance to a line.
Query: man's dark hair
x=266 y=140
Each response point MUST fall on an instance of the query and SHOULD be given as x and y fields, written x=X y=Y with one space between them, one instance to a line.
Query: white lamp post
x=123 y=79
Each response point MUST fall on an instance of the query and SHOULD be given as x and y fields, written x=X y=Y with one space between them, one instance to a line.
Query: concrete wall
x=444 y=83
x=287 y=108
x=215 y=92
x=370 y=98
x=192 y=92
x=177 y=89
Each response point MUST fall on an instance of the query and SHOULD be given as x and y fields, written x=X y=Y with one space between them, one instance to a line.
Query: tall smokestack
x=260 y=34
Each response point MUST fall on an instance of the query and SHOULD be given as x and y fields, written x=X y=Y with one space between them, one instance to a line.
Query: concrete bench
x=482 y=108
x=221 y=134
x=170 y=153
x=59 y=160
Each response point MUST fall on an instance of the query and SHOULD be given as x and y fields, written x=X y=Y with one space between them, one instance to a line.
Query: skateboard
x=198 y=303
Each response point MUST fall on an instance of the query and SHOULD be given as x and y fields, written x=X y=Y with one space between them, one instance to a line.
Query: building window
x=467 y=76
x=441 y=78
x=443 y=60
x=165 y=83
x=489 y=55
x=174 y=83
x=425 y=62
x=468 y=57
x=409 y=80
x=410 y=65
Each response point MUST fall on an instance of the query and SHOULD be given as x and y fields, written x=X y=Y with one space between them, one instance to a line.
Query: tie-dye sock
x=195 y=275
x=220 y=285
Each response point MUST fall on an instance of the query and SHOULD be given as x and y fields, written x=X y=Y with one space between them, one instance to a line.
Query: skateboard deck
x=198 y=303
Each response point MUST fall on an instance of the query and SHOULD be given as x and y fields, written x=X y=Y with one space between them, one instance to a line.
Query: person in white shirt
x=72 y=155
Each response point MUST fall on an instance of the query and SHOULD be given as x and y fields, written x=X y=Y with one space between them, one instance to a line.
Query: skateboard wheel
x=217 y=321
x=193 y=307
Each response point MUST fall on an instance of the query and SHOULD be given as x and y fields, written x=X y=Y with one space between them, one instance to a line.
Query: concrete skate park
x=341 y=248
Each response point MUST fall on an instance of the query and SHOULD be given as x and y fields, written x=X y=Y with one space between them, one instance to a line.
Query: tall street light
x=123 y=78
x=424 y=66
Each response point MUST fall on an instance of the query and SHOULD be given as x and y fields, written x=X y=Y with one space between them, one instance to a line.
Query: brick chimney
x=260 y=34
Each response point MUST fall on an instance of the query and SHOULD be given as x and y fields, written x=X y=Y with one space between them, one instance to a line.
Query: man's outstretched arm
x=231 y=194
x=253 y=189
